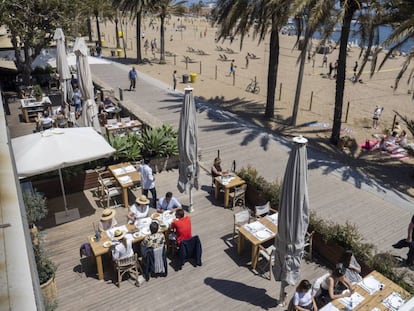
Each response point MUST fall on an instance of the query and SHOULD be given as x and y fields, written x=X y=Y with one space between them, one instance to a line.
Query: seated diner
x=138 y=210
x=181 y=226
x=122 y=245
x=45 y=122
x=303 y=299
x=216 y=169
x=168 y=203
x=108 y=220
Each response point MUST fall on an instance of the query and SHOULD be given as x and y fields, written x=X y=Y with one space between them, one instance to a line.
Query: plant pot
x=164 y=164
x=49 y=291
x=255 y=197
x=330 y=251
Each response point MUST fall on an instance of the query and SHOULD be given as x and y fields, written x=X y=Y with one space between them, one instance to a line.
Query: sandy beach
x=317 y=98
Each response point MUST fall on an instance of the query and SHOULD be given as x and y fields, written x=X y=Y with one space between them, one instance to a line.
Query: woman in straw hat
x=108 y=220
x=122 y=246
x=138 y=210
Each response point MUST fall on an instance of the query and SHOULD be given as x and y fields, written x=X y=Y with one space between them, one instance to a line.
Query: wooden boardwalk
x=225 y=279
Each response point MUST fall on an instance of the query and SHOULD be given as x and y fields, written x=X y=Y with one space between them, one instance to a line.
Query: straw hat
x=119 y=234
x=107 y=214
x=143 y=200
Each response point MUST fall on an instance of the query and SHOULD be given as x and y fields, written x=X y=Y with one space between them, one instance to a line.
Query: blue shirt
x=132 y=74
x=163 y=204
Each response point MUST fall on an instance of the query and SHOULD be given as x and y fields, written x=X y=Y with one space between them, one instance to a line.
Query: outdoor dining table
x=227 y=183
x=98 y=248
x=110 y=128
x=126 y=175
x=258 y=232
x=374 y=292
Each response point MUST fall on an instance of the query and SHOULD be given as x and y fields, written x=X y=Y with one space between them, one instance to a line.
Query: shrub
x=35 y=205
x=45 y=267
x=159 y=142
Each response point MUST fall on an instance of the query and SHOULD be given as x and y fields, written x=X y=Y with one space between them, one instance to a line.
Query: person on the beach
x=146 y=46
x=232 y=68
x=132 y=78
x=174 y=79
x=410 y=255
x=355 y=67
x=377 y=114
x=325 y=61
x=330 y=69
x=335 y=69
x=247 y=60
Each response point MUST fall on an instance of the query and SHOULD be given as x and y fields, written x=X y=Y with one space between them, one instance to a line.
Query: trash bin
x=185 y=78
x=193 y=77
x=119 y=52
x=112 y=53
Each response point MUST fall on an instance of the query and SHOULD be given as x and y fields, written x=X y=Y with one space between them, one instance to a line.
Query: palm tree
x=163 y=9
x=268 y=16
x=99 y=9
x=135 y=9
x=326 y=12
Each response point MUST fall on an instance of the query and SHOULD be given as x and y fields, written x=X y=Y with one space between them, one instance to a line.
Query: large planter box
x=164 y=164
x=254 y=197
x=332 y=253
x=51 y=187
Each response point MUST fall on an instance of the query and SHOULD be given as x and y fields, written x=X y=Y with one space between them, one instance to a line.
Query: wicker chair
x=128 y=265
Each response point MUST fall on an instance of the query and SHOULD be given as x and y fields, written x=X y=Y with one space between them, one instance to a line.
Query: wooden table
x=236 y=181
x=372 y=301
x=110 y=128
x=245 y=234
x=99 y=250
x=117 y=171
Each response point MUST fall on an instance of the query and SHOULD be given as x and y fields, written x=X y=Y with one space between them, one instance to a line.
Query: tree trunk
x=89 y=26
x=98 y=30
x=298 y=87
x=341 y=72
x=138 y=30
x=272 y=71
x=162 y=43
x=27 y=67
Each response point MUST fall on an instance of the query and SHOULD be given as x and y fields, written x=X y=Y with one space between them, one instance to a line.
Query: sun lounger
x=219 y=48
x=230 y=51
x=189 y=60
x=190 y=49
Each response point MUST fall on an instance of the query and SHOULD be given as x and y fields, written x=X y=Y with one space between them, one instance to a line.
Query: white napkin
x=125 y=179
x=110 y=232
x=254 y=226
x=273 y=218
x=263 y=234
x=393 y=301
x=356 y=300
x=167 y=218
x=370 y=284
x=129 y=169
x=329 y=307
x=143 y=222
x=119 y=171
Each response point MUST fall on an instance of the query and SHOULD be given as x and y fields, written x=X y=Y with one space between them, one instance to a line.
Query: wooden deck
x=225 y=279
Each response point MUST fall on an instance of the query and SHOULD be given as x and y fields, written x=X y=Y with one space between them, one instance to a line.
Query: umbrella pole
x=282 y=295
x=63 y=191
x=191 y=209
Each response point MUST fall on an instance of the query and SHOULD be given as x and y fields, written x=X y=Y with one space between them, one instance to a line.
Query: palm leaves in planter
x=127 y=147
x=159 y=142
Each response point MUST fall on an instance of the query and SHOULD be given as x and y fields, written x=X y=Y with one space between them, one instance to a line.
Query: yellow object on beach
x=193 y=77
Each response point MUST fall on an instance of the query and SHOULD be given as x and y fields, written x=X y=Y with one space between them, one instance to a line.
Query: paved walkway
x=337 y=192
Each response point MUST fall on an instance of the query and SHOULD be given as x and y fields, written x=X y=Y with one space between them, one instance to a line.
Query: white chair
x=105 y=178
x=125 y=120
x=128 y=265
x=316 y=287
x=112 y=121
x=308 y=243
x=241 y=218
x=110 y=193
x=263 y=210
x=268 y=255
x=238 y=196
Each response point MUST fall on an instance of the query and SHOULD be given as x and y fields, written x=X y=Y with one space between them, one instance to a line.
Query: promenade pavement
x=337 y=192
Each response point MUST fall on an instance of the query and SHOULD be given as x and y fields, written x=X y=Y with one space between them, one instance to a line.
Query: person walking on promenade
x=325 y=61
x=132 y=78
x=148 y=181
x=174 y=79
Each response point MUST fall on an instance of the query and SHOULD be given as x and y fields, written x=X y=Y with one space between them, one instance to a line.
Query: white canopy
x=58 y=148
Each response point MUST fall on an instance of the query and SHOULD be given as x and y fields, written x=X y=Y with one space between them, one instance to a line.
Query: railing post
x=280 y=91
x=310 y=102
x=346 y=114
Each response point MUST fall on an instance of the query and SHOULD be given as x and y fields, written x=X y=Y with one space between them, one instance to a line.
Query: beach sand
x=315 y=114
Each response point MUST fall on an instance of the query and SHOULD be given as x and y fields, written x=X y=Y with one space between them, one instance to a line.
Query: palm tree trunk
x=88 y=25
x=118 y=45
x=272 y=70
x=298 y=86
x=162 y=39
x=340 y=75
x=138 y=31
x=98 y=30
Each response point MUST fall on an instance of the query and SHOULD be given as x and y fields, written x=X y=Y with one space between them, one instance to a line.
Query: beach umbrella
x=293 y=217
x=89 y=109
x=55 y=149
x=188 y=168
x=63 y=68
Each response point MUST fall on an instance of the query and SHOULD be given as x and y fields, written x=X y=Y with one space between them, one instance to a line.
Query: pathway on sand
x=336 y=192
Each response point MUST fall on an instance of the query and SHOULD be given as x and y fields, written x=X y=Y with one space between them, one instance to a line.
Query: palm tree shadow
x=242 y=292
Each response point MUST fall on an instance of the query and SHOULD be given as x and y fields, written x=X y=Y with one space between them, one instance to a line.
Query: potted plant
x=36 y=209
x=37 y=92
x=46 y=270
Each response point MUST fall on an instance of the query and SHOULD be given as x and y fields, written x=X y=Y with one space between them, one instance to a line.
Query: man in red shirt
x=182 y=226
